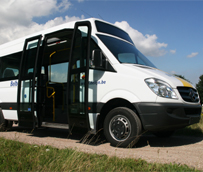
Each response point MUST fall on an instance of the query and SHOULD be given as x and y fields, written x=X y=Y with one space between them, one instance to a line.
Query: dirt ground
x=176 y=149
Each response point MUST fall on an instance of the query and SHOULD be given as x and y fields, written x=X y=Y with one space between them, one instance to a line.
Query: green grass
x=17 y=156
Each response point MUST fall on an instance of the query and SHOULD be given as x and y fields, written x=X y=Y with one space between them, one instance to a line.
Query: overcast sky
x=169 y=33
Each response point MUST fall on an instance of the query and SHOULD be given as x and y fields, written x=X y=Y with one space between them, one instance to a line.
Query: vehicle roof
x=17 y=45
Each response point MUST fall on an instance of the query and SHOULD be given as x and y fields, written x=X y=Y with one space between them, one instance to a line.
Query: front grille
x=188 y=94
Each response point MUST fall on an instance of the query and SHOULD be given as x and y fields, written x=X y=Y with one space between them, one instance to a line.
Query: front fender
x=124 y=94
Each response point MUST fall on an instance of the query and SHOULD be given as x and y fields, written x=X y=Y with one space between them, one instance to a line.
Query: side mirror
x=96 y=58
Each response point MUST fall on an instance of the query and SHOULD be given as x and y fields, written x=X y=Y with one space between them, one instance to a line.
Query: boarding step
x=55 y=125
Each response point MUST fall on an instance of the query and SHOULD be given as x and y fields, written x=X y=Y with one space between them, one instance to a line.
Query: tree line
x=199 y=87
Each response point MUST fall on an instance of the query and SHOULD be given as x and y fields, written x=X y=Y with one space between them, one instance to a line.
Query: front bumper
x=167 y=116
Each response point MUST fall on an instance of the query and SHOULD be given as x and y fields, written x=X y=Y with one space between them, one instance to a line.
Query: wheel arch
x=111 y=104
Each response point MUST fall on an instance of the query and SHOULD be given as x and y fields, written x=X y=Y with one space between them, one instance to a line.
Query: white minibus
x=89 y=74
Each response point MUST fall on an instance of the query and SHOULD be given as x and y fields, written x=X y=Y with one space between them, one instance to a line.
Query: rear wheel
x=122 y=127
x=5 y=125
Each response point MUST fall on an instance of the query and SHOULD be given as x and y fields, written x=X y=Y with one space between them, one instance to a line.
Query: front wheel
x=122 y=127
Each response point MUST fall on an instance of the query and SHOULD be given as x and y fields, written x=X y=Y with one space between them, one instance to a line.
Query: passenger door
x=78 y=76
x=27 y=83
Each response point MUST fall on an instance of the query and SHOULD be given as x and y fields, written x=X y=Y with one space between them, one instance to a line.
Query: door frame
x=74 y=71
x=31 y=120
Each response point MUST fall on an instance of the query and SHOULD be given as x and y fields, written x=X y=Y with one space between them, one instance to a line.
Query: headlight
x=161 y=88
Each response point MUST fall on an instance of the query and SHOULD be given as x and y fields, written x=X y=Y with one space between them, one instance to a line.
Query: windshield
x=125 y=52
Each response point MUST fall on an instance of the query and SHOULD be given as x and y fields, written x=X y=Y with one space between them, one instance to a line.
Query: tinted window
x=109 y=29
x=9 y=66
x=59 y=72
x=56 y=55
x=29 y=58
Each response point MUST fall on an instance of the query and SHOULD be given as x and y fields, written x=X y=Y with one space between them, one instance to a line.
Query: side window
x=29 y=58
x=56 y=55
x=9 y=66
x=79 y=53
x=10 y=72
x=59 y=72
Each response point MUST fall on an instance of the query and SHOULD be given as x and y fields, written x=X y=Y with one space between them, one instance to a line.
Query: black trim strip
x=94 y=107
x=7 y=106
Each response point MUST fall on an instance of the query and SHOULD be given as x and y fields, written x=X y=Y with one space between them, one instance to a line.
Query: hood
x=150 y=72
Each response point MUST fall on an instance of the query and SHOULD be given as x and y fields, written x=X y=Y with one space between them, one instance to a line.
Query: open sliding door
x=27 y=83
x=78 y=76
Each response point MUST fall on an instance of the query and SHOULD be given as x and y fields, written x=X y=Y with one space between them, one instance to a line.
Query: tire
x=5 y=125
x=164 y=134
x=122 y=127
